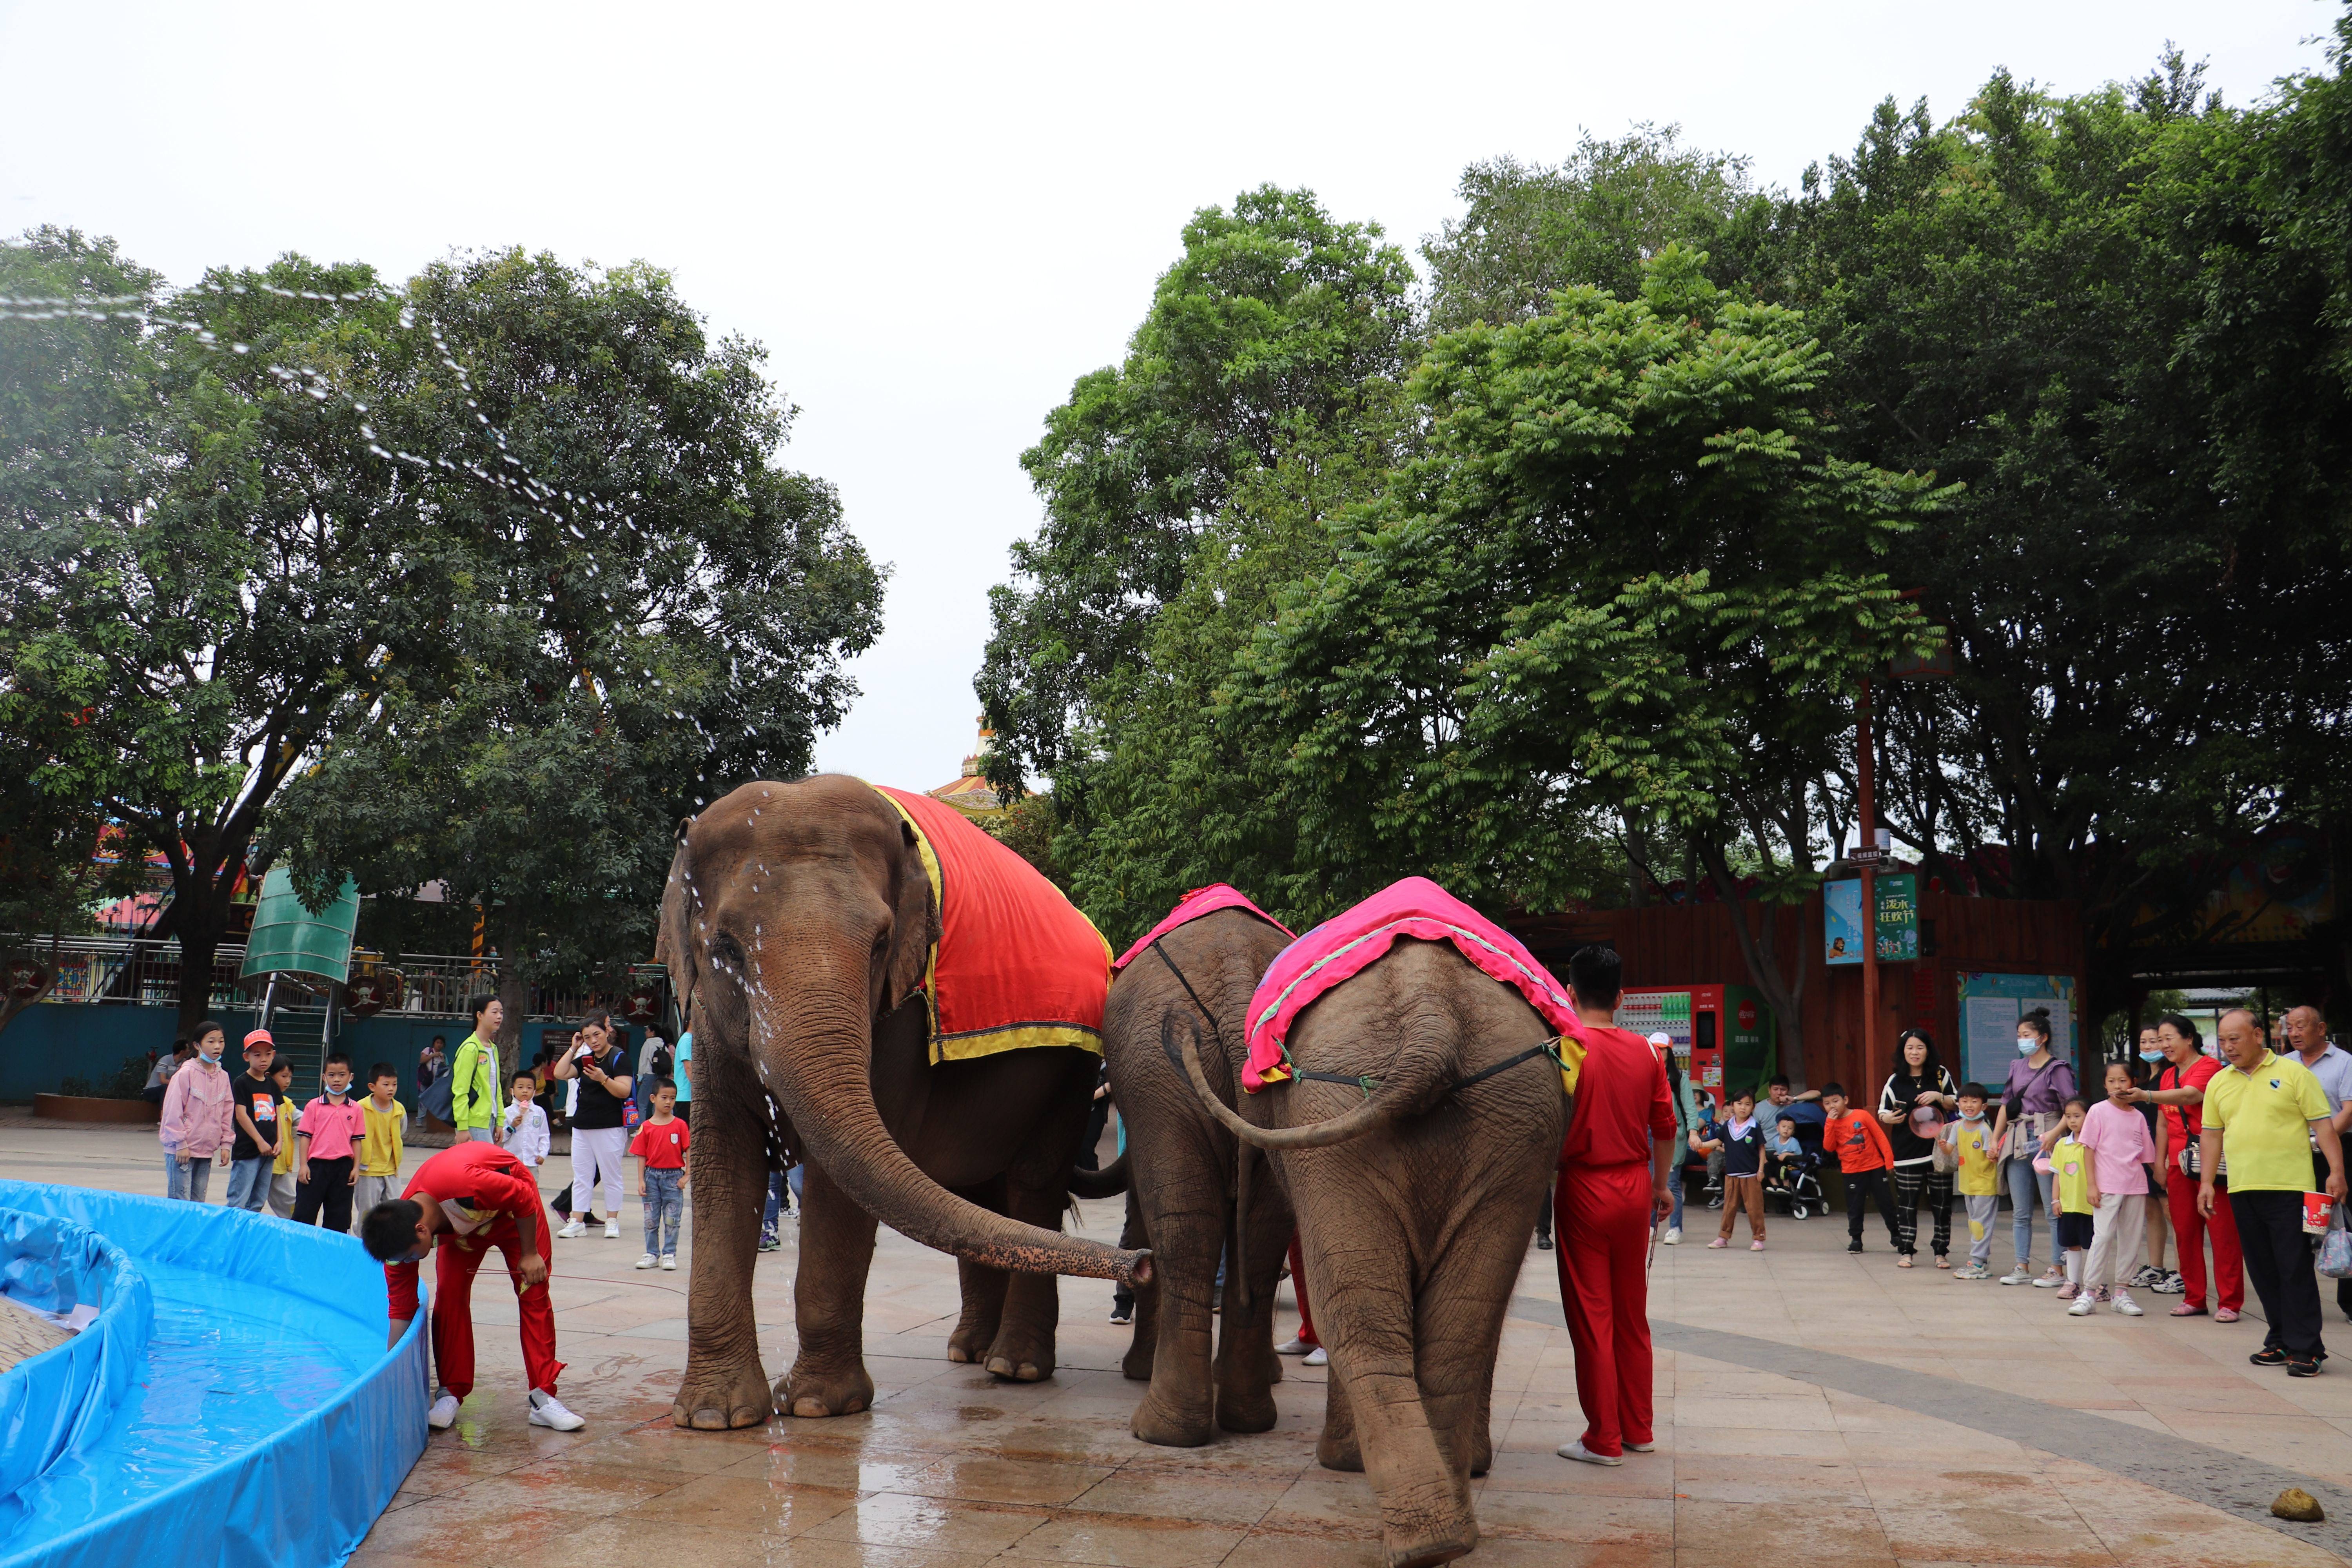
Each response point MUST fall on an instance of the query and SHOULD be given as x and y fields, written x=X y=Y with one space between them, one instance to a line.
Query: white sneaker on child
x=546 y=1410
x=576 y=1228
x=669 y=1261
x=612 y=1230
x=1293 y=1347
x=443 y=1413
x=2126 y=1305
x=2083 y=1305
x=1673 y=1236
x=2020 y=1274
x=646 y=1261
x=1318 y=1356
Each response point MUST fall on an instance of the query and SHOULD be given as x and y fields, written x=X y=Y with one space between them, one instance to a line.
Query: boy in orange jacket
x=1866 y=1157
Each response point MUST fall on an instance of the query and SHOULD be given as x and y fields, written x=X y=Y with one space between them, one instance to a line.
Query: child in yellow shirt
x=380 y=1145
x=281 y=1174
x=1977 y=1179
x=2075 y=1227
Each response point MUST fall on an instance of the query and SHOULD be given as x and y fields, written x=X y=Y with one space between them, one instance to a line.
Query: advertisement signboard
x=1898 y=919
x=1990 y=1007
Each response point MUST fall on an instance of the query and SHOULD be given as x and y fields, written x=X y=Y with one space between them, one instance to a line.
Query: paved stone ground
x=2163 y=1435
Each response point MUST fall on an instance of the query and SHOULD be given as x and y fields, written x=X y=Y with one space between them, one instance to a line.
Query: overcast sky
x=937 y=217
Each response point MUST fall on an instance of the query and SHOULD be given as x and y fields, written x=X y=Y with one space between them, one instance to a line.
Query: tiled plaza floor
x=953 y=1469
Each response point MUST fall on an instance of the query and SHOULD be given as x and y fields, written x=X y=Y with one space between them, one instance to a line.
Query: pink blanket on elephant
x=1348 y=943
x=1191 y=907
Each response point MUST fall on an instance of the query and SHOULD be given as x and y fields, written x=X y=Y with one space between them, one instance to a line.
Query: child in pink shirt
x=326 y=1149
x=2121 y=1150
x=196 y=1127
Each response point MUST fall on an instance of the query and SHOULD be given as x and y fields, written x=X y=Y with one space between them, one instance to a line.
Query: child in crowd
x=326 y=1149
x=1740 y=1142
x=1791 y=1157
x=661 y=1147
x=1866 y=1157
x=1977 y=1178
x=381 y=1150
x=522 y=1131
x=2074 y=1228
x=196 y=1127
x=2121 y=1150
x=281 y=1174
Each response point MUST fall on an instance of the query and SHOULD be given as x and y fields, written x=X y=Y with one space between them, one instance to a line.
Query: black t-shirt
x=600 y=1107
x=1902 y=1093
x=1743 y=1153
x=258 y=1097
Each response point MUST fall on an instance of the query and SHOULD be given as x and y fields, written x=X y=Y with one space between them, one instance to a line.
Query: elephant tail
x=1107 y=1183
x=1377 y=1111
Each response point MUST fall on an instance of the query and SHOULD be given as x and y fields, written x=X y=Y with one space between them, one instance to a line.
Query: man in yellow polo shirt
x=2261 y=1113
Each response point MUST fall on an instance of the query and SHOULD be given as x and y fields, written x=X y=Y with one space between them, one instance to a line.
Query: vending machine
x=1722 y=1034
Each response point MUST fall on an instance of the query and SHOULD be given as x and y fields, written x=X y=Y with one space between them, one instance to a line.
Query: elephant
x=796 y=925
x=1182 y=1165
x=1415 y=1208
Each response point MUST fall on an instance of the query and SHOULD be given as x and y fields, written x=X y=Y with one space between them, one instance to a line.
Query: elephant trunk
x=1107 y=1183
x=816 y=1055
x=1394 y=1099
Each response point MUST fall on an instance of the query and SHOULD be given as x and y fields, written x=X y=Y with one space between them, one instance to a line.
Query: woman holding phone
x=599 y=1060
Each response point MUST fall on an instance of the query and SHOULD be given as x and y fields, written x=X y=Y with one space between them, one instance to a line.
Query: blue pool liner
x=256 y=1419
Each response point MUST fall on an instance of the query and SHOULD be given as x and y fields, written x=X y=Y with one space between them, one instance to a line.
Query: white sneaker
x=2083 y=1305
x=1672 y=1236
x=443 y=1413
x=2126 y=1306
x=1318 y=1356
x=1641 y=1447
x=669 y=1261
x=646 y=1261
x=575 y=1229
x=612 y=1230
x=1583 y=1455
x=1294 y=1347
x=546 y=1410
x=2020 y=1274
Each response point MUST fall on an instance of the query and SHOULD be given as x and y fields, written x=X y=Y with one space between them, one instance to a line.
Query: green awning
x=287 y=939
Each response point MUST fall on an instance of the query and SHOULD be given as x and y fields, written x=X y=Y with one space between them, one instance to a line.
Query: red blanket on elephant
x=1016 y=965
x=1348 y=943
x=1199 y=901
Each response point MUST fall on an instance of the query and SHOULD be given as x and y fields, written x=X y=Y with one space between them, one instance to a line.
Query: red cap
x=259 y=1037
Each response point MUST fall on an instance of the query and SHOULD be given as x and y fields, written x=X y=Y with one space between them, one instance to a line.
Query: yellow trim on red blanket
x=1571 y=1062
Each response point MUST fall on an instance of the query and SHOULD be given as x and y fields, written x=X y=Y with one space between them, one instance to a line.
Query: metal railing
x=142 y=972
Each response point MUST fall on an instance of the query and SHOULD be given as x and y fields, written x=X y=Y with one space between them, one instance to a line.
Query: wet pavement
x=1757 y=1462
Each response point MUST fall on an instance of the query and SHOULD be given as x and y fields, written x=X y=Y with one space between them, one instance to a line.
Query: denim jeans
x=775 y=1205
x=2024 y=1181
x=663 y=1203
x=1675 y=1185
x=248 y=1183
x=189 y=1181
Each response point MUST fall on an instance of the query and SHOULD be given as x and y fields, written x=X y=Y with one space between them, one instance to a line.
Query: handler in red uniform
x=1612 y=1191
x=469 y=1198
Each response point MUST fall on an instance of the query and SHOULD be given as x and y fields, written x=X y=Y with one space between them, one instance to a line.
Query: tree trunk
x=514 y=1002
x=200 y=924
x=1761 y=955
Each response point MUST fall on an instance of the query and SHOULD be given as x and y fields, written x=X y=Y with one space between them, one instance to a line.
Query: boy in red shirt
x=661 y=1147
x=1866 y=1157
x=465 y=1200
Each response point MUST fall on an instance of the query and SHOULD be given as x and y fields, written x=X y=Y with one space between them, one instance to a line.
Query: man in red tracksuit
x=1612 y=1191
x=465 y=1200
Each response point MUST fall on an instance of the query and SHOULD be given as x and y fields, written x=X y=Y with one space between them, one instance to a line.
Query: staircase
x=304 y=1036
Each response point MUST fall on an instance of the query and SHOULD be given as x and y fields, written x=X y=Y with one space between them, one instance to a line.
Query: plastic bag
x=2335 y=1252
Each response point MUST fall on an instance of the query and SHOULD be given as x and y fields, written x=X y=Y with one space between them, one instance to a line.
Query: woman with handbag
x=2033 y=1101
x=1913 y=1105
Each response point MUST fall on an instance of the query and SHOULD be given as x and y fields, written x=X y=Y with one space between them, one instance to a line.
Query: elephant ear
x=673 y=943
x=914 y=921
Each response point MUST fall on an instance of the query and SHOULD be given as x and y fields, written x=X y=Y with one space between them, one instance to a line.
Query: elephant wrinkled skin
x=796 y=925
x=1182 y=1163
x=1413 y=1228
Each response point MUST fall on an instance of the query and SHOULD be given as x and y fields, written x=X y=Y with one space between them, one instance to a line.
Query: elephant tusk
x=1372 y=1113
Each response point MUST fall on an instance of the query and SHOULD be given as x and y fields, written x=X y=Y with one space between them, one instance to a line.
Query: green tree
x=1530 y=229
x=1257 y=336
x=1627 y=580
x=200 y=583
x=660 y=613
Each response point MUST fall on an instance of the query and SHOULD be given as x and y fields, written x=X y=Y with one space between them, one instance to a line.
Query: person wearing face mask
x=2033 y=1101
x=2180 y=1089
x=2155 y=1276
x=196 y=1129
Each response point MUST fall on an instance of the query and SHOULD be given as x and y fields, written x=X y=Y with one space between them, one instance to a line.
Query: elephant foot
x=1482 y=1452
x=1443 y=1545
x=813 y=1392
x=719 y=1398
x=1245 y=1409
x=1021 y=1356
x=1136 y=1365
x=1338 y=1451
x=1155 y=1422
x=971 y=1343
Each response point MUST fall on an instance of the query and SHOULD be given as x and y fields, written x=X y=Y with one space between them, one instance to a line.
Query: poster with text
x=1898 y=919
x=1990 y=1007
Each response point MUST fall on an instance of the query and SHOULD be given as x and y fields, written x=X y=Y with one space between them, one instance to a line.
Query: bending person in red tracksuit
x=469 y=1198
x=1612 y=1193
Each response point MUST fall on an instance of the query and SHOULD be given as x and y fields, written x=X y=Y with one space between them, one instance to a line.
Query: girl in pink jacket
x=195 y=1128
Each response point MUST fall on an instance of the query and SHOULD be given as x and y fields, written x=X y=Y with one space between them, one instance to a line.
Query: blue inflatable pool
x=232 y=1406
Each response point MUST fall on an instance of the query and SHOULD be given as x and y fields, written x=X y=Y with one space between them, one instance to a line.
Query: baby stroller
x=1796 y=1181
